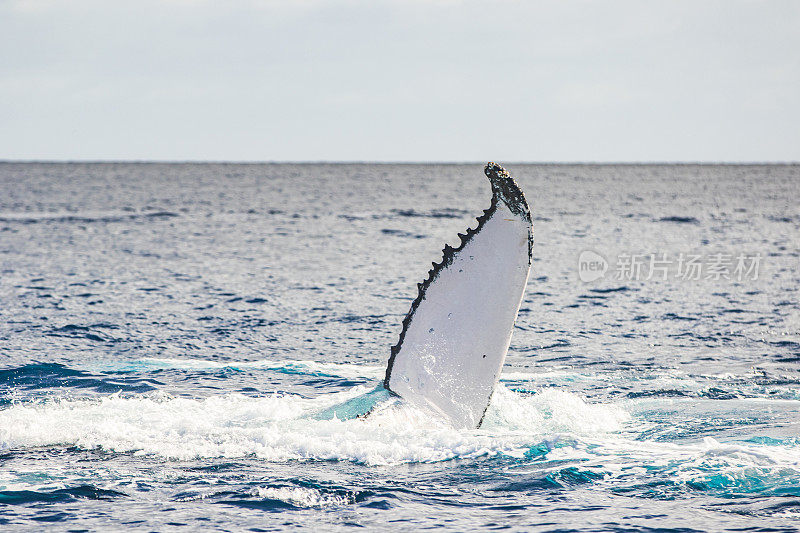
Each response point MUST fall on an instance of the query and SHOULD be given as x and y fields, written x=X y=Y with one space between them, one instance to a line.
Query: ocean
x=175 y=337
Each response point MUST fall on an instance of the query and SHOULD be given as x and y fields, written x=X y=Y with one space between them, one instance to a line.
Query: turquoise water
x=189 y=346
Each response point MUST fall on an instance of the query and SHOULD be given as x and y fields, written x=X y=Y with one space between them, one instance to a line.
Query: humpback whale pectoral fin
x=358 y=407
x=455 y=336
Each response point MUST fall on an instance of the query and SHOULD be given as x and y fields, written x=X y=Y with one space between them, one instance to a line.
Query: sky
x=411 y=80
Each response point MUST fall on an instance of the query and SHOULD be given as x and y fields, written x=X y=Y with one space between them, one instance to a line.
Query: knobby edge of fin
x=504 y=189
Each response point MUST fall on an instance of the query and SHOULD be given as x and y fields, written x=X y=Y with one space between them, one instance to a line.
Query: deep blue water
x=175 y=338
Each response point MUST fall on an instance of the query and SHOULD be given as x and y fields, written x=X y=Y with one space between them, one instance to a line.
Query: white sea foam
x=302 y=497
x=553 y=411
x=283 y=427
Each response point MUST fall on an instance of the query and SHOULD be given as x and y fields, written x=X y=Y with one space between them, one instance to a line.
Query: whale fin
x=358 y=407
x=457 y=332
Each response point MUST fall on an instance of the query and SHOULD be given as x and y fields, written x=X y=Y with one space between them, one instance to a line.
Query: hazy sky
x=400 y=80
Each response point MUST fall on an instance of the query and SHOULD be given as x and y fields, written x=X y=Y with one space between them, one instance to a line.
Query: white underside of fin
x=456 y=341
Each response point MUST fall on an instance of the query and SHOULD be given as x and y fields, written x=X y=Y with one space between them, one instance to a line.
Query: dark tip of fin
x=505 y=189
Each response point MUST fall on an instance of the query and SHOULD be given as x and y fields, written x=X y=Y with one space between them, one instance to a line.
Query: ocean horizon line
x=388 y=162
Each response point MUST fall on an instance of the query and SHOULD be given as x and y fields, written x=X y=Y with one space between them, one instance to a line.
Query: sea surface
x=180 y=345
